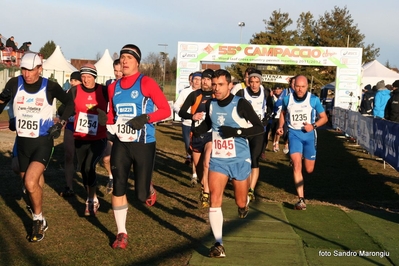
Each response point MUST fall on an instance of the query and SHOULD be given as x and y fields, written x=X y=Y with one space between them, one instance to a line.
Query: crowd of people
x=225 y=135
x=12 y=45
x=381 y=101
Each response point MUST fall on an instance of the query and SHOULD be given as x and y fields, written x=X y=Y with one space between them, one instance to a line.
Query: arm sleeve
x=245 y=110
x=151 y=89
x=66 y=99
x=179 y=101
x=6 y=95
x=206 y=124
x=183 y=112
x=111 y=111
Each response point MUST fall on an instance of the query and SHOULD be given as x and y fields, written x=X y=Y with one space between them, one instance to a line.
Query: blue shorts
x=239 y=171
x=303 y=142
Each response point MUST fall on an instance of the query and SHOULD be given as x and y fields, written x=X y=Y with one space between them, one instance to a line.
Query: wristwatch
x=314 y=125
x=239 y=131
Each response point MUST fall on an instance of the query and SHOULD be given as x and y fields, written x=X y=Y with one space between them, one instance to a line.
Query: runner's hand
x=228 y=132
x=138 y=122
x=11 y=124
x=54 y=131
x=102 y=117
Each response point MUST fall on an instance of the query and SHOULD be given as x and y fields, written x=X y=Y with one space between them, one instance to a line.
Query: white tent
x=58 y=66
x=105 y=69
x=374 y=71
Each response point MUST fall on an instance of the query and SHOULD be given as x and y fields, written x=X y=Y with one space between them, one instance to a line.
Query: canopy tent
x=105 y=69
x=58 y=67
x=374 y=71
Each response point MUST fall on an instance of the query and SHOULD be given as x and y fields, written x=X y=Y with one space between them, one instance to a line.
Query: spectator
x=367 y=102
x=25 y=47
x=380 y=100
x=392 y=107
x=10 y=43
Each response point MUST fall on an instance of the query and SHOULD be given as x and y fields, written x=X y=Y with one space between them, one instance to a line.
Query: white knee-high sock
x=216 y=221
x=120 y=214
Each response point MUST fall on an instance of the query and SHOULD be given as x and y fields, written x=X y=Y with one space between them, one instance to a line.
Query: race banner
x=347 y=60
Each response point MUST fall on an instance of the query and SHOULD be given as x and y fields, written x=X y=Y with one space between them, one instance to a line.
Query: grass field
x=352 y=196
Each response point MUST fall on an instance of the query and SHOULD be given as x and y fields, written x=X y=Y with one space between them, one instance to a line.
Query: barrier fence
x=377 y=136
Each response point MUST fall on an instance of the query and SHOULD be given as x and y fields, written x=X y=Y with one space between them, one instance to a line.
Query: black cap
x=207 y=73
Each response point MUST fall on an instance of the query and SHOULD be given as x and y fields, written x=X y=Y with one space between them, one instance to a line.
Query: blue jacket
x=380 y=100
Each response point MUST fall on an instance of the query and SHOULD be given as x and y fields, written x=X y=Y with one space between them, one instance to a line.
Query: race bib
x=222 y=148
x=124 y=132
x=28 y=128
x=87 y=123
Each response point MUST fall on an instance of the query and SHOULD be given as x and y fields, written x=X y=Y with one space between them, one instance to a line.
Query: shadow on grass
x=338 y=178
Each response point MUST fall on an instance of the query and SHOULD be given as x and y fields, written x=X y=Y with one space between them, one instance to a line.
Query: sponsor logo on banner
x=188 y=55
x=350 y=53
x=188 y=47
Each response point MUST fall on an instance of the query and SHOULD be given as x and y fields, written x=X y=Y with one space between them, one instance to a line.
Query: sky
x=84 y=29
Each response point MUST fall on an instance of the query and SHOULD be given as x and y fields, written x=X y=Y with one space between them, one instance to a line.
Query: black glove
x=102 y=117
x=228 y=132
x=54 y=131
x=138 y=122
x=11 y=124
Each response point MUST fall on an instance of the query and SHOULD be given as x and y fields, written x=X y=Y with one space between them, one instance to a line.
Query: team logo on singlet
x=20 y=99
x=90 y=106
x=134 y=94
x=39 y=102
x=221 y=120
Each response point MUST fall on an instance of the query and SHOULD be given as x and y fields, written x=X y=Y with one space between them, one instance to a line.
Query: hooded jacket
x=380 y=101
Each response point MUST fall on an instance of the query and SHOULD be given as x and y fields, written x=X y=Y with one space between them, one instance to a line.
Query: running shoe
x=153 y=197
x=243 y=212
x=194 y=181
x=300 y=205
x=110 y=186
x=205 y=199
x=120 y=242
x=217 y=251
x=67 y=192
x=251 y=194
x=286 y=150
x=38 y=229
x=95 y=207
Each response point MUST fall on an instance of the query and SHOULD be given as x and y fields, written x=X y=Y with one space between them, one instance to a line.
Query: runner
x=301 y=108
x=227 y=116
x=132 y=103
x=90 y=134
x=32 y=98
x=194 y=109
